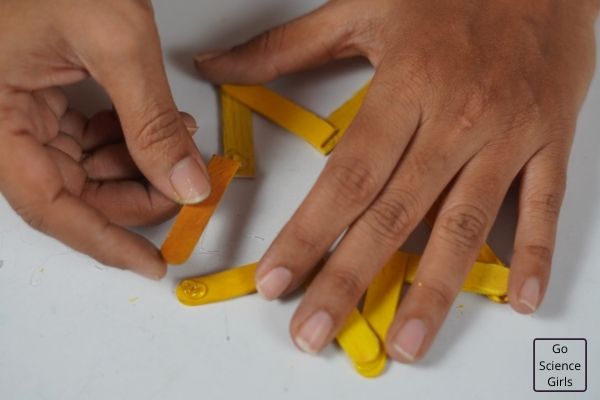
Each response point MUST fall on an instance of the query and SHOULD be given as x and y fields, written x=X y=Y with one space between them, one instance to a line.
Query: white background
x=70 y=329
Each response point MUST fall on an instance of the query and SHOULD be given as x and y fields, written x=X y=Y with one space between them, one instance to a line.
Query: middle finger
x=460 y=230
x=377 y=234
x=355 y=173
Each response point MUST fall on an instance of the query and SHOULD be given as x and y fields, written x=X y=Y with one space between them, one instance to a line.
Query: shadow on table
x=233 y=32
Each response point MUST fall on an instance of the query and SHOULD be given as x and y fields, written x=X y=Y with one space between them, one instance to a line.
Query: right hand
x=49 y=43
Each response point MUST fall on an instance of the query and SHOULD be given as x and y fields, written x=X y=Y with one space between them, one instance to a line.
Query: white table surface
x=71 y=329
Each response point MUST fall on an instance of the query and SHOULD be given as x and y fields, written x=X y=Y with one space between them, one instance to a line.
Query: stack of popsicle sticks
x=363 y=335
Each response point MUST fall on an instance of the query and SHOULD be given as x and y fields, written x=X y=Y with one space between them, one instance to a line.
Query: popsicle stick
x=361 y=344
x=357 y=338
x=238 y=141
x=296 y=119
x=381 y=300
x=487 y=279
x=192 y=219
x=229 y=284
x=383 y=293
x=488 y=256
x=342 y=117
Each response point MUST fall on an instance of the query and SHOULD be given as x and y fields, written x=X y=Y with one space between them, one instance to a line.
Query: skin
x=83 y=181
x=467 y=97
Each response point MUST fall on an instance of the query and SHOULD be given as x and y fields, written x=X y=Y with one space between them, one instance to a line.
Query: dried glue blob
x=237 y=157
x=224 y=285
x=238 y=141
x=194 y=289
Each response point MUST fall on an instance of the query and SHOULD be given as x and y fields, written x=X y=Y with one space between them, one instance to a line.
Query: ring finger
x=459 y=232
x=377 y=234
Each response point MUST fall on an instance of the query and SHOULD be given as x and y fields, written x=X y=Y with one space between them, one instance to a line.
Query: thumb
x=318 y=37
x=134 y=76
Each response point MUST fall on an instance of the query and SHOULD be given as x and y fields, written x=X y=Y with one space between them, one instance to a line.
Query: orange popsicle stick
x=192 y=219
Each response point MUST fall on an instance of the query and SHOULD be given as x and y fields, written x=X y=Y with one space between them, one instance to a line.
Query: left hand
x=467 y=95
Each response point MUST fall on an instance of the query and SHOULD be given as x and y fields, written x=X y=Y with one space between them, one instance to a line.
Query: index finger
x=356 y=172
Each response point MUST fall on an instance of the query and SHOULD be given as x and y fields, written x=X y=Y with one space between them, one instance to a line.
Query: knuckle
x=463 y=226
x=160 y=131
x=545 y=204
x=472 y=104
x=522 y=107
x=406 y=92
x=362 y=35
x=304 y=240
x=33 y=218
x=34 y=212
x=132 y=22
x=346 y=283
x=437 y=292
x=392 y=216
x=539 y=252
x=17 y=115
x=270 y=43
x=272 y=40
x=353 y=182
x=267 y=45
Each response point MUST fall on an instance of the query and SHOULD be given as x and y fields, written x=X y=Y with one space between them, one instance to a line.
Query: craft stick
x=345 y=114
x=238 y=142
x=356 y=337
x=361 y=344
x=229 y=284
x=488 y=256
x=312 y=128
x=381 y=300
x=487 y=279
x=373 y=369
x=192 y=219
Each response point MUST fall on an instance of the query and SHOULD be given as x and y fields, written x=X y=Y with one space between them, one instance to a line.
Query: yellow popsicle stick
x=238 y=141
x=487 y=279
x=192 y=219
x=342 y=117
x=487 y=255
x=357 y=338
x=361 y=344
x=383 y=294
x=312 y=128
x=229 y=284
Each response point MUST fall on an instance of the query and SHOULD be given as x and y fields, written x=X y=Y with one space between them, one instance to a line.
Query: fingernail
x=207 y=55
x=530 y=293
x=274 y=283
x=190 y=181
x=409 y=339
x=314 y=332
x=153 y=275
x=189 y=122
x=154 y=269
